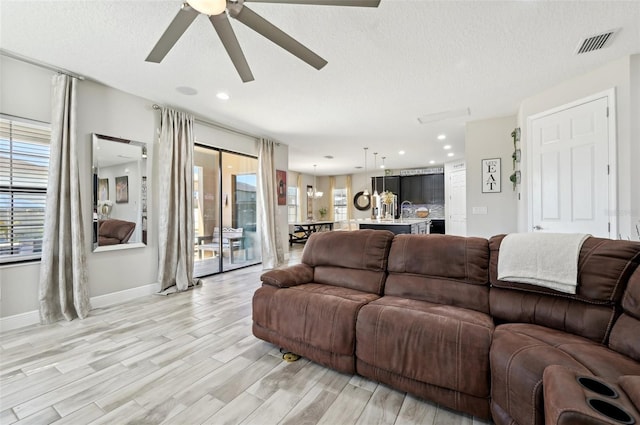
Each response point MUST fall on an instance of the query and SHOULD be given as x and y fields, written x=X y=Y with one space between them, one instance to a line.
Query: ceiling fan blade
x=357 y=3
x=230 y=41
x=276 y=35
x=176 y=28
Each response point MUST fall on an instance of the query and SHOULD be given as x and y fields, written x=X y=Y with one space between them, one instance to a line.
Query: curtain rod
x=215 y=124
x=40 y=64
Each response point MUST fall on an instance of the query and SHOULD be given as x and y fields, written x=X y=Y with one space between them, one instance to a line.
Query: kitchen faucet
x=409 y=209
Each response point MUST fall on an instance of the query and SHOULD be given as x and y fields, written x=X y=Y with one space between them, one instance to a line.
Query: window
x=24 y=164
x=340 y=204
x=292 y=204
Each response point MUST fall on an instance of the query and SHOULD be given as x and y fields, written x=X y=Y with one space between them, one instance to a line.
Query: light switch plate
x=479 y=210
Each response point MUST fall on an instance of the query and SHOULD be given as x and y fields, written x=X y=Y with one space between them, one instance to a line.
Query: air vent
x=596 y=42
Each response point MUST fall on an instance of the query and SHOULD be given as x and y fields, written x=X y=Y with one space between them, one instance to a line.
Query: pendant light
x=384 y=189
x=375 y=181
x=316 y=193
x=365 y=192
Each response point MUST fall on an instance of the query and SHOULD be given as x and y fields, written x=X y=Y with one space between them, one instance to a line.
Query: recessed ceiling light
x=432 y=162
x=382 y=166
x=450 y=154
x=442 y=136
x=401 y=153
x=189 y=91
x=222 y=96
x=446 y=147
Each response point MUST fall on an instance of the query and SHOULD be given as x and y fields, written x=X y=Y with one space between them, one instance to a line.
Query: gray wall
x=490 y=139
x=103 y=110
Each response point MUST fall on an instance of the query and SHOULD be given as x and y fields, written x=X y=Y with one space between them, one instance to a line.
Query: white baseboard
x=33 y=317
x=124 y=296
x=19 y=320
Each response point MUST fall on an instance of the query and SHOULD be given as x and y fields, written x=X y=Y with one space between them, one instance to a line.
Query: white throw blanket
x=544 y=259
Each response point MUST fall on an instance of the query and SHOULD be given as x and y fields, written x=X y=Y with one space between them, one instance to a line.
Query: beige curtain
x=332 y=188
x=272 y=252
x=300 y=192
x=63 y=283
x=349 y=200
x=175 y=203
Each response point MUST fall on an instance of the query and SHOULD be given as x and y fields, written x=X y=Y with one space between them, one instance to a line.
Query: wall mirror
x=119 y=193
x=361 y=201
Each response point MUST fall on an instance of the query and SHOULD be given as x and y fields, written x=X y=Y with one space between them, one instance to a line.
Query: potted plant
x=323 y=212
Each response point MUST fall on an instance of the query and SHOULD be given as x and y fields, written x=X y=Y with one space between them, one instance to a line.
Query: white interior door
x=457 y=220
x=570 y=162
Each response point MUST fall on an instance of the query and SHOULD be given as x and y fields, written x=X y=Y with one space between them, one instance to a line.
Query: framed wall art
x=281 y=186
x=103 y=189
x=122 y=190
x=491 y=180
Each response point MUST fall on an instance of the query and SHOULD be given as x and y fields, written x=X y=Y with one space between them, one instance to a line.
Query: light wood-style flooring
x=188 y=358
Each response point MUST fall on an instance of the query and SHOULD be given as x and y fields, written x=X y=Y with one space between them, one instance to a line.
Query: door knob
x=536 y=227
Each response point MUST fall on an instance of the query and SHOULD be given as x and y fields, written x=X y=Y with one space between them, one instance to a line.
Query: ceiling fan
x=219 y=11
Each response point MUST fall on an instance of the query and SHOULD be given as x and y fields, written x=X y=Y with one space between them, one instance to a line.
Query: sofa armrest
x=630 y=384
x=289 y=276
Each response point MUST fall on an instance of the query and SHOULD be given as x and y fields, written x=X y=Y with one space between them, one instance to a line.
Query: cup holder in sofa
x=611 y=411
x=598 y=387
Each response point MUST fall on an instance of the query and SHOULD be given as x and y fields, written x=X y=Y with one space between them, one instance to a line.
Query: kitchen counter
x=399 y=226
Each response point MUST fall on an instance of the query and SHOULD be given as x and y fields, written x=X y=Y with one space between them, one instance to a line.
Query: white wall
x=490 y=139
x=623 y=75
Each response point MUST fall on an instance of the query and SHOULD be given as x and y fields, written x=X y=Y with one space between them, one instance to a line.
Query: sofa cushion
x=443 y=269
x=604 y=267
x=356 y=260
x=437 y=344
x=631 y=298
x=521 y=352
x=314 y=320
x=625 y=335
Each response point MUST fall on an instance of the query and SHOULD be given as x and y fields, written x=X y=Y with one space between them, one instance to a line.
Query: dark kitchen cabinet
x=391 y=183
x=427 y=189
x=433 y=189
x=411 y=189
x=437 y=226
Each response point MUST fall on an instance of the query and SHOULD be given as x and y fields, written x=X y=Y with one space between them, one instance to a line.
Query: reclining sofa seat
x=311 y=308
x=430 y=333
x=538 y=327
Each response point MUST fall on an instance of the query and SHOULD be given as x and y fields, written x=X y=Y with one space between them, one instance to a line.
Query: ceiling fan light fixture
x=209 y=7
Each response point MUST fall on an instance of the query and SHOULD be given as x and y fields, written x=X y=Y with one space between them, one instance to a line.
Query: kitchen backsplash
x=435 y=210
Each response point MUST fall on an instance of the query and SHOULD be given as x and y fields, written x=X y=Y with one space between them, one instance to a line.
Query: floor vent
x=596 y=42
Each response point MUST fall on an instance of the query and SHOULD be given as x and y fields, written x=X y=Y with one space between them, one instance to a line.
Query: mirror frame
x=143 y=199
x=361 y=205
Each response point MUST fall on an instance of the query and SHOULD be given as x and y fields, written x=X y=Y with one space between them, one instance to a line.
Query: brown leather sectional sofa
x=426 y=314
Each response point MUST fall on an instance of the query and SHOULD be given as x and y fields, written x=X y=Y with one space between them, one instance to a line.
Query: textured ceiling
x=387 y=66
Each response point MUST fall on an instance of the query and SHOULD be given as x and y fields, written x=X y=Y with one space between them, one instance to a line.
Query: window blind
x=24 y=166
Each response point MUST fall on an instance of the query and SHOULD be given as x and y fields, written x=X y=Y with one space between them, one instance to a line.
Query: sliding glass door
x=225 y=211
